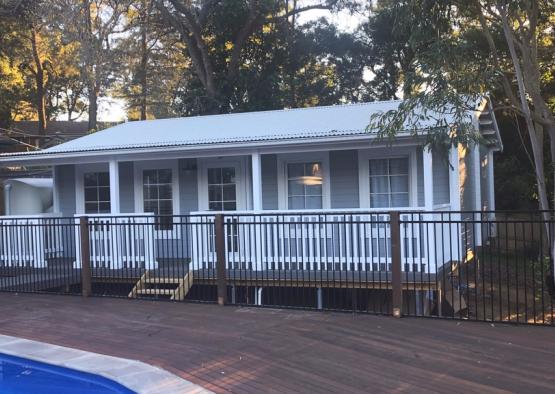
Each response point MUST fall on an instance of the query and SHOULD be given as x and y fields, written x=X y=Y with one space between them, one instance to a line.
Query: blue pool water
x=21 y=376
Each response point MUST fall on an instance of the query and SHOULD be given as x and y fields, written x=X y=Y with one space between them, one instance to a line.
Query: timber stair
x=170 y=287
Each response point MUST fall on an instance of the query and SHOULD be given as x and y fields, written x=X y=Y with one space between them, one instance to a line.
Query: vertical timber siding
x=126 y=188
x=269 y=182
x=420 y=177
x=441 y=178
x=65 y=186
x=344 y=179
x=188 y=185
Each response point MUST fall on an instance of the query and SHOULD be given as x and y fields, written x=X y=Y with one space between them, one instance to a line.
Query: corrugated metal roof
x=263 y=126
x=289 y=124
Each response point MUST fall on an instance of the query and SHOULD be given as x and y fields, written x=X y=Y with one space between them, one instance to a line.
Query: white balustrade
x=27 y=241
x=313 y=241
x=120 y=241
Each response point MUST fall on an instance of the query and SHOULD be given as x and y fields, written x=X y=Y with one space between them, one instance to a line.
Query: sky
x=113 y=110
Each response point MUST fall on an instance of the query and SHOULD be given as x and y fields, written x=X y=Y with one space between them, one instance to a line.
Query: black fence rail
x=484 y=266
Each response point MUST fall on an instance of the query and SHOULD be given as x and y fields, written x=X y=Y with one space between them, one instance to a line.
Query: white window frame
x=138 y=168
x=364 y=157
x=241 y=182
x=80 y=171
x=303 y=157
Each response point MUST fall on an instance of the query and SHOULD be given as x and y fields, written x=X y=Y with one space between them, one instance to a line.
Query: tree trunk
x=535 y=130
x=40 y=84
x=144 y=17
x=93 y=106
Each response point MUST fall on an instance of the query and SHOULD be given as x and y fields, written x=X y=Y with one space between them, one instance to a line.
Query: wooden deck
x=269 y=350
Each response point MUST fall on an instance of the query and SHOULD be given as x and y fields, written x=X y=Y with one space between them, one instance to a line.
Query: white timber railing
x=320 y=240
x=29 y=240
x=120 y=241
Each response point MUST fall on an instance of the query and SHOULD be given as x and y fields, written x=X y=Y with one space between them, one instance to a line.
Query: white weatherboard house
x=310 y=161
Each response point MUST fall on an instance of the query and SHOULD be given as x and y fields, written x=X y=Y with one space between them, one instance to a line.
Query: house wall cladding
x=126 y=191
x=344 y=180
x=65 y=185
x=269 y=182
x=440 y=172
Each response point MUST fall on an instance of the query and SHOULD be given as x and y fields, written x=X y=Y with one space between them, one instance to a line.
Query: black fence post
x=220 y=259
x=85 y=256
x=396 y=286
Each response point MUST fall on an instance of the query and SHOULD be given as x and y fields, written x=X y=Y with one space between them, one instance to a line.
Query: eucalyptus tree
x=466 y=49
x=217 y=35
x=95 y=25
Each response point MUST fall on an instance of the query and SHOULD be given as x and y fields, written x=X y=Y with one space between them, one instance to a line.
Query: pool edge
x=133 y=374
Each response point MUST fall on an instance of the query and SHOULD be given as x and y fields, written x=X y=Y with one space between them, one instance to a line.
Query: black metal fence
x=484 y=266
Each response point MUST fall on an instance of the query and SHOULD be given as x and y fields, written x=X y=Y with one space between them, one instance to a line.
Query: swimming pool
x=22 y=376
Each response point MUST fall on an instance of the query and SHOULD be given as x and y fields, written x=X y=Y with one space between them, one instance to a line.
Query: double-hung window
x=222 y=189
x=304 y=185
x=389 y=183
x=158 y=196
x=97 y=192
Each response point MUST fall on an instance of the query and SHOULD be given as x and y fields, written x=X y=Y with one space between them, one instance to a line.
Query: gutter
x=206 y=150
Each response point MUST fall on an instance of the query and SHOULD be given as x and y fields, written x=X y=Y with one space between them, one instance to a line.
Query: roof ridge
x=315 y=108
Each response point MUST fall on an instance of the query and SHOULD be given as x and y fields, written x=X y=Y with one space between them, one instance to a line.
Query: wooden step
x=156 y=291
x=157 y=280
x=146 y=285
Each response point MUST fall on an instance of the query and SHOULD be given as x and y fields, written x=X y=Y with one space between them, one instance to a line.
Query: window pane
x=304 y=186
x=379 y=184
x=295 y=170
x=90 y=179
x=296 y=203
x=214 y=176
x=313 y=202
x=91 y=194
x=157 y=192
x=151 y=206
x=400 y=184
x=103 y=179
x=150 y=192
x=379 y=200
x=165 y=192
x=399 y=166
x=165 y=176
x=378 y=167
x=389 y=182
x=91 y=208
x=230 y=206
x=214 y=193
x=166 y=207
x=228 y=175
x=149 y=177
x=229 y=193
x=222 y=191
x=215 y=206
x=96 y=190
x=400 y=200
x=103 y=194
x=295 y=187
x=313 y=190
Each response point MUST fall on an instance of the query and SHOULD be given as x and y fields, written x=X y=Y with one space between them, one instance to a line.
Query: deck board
x=270 y=350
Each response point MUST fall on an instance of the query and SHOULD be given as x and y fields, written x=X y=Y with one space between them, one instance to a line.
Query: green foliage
x=443 y=55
